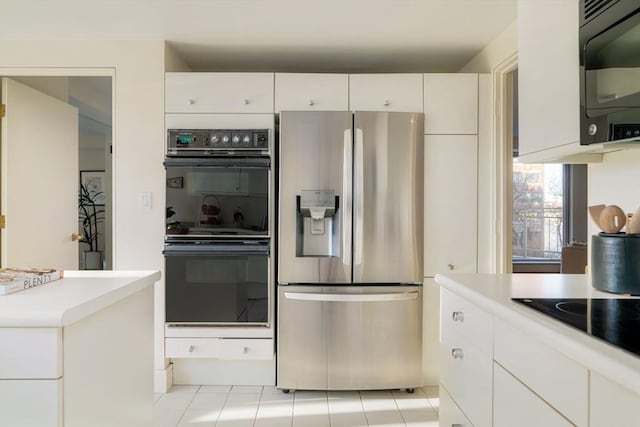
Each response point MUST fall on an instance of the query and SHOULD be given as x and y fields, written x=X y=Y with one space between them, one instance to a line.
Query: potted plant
x=90 y=215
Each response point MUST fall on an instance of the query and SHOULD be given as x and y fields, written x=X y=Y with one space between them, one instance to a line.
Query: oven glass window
x=612 y=68
x=217 y=201
x=228 y=289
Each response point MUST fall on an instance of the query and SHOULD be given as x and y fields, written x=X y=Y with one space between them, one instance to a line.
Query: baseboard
x=163 y=379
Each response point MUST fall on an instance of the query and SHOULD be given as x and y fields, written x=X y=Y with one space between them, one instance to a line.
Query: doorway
x=91 y=97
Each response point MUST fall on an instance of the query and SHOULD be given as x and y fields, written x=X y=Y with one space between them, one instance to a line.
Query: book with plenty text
x=18 y=279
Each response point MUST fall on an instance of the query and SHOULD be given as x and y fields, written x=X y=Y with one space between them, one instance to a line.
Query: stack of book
x=18 y=279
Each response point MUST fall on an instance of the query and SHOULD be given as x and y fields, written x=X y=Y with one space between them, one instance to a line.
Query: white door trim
x=501 y=168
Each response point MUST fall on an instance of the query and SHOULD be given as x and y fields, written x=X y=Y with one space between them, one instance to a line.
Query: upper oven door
x=611 y=77
x=218 y=197
x=209 y=283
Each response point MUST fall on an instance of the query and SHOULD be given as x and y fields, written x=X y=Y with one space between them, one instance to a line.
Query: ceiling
x=279 y=35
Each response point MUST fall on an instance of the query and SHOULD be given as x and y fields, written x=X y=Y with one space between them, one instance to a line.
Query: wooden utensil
x=612 y=219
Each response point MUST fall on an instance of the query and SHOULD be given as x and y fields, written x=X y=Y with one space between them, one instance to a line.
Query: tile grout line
x=188 y=404
x=223 y=406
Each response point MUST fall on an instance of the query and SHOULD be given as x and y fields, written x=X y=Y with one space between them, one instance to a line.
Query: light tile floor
x=240 y=406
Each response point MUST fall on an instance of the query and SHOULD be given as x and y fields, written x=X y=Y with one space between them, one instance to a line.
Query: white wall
x=494 y=54
x=138 y=138
x=615 y=182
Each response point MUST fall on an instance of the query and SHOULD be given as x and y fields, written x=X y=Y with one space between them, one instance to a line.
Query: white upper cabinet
x=308 y=92
x=385 y=92
x=451 y=104
x=548 y=81
x=219 y=92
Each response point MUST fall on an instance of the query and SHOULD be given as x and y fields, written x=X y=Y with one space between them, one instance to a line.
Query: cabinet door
x=219 y=92
x=450 y=204
x=385 y=92
x=307 y=92
x=548 y=80
x=611 y=404
x=516 y=405
x=451 y=103
x=36 y=403
x=449 y=413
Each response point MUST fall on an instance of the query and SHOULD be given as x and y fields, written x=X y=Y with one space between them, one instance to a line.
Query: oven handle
x=219 y=162
x=226 y=250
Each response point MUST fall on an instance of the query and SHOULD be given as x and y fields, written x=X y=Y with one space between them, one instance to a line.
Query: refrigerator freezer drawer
x=349 y=337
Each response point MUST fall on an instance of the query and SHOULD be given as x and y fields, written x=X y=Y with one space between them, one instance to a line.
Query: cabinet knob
x=191 y=348
x=458 y=316
x=191 y=101
x=245 y=101
x=245 y=350
x=386 y=103
x=312 y=102
x=457 y=353
x=450 y=267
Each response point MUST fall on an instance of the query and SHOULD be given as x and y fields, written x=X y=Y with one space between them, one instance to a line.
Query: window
x=549 y=205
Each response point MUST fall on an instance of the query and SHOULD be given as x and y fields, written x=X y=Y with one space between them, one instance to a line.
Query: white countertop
x=65 y=301
x=493 y=293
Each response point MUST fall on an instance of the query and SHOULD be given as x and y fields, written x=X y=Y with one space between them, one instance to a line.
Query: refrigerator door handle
x=358 y=205
x=347 y=173
x=303 y=296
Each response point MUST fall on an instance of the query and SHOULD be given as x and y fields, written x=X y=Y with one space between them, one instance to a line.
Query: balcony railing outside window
x=537 y=233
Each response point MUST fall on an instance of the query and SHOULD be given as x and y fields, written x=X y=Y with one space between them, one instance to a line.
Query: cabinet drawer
x=460 y=317
x=30 y=353
x=557 y=379
x=516 y=405
x=308 y=92
x=31 y=403
x=611 y=404
x=251 y=349
x=192 y=347
x=466 y=372
x=220 y=348
x=385 y=92
x=449 y=414
x=219 y=92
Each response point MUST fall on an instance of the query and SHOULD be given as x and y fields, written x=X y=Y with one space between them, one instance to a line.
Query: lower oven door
x=217 y=283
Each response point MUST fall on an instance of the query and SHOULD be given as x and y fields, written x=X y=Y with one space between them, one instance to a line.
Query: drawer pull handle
x=312 y=102
x=245 y=101
x=191 y=101
x=191 y=348
x=386 y=103
x=245 y=350
x=458 y=316
x=450 y=267
x=457 y=425
x=457 y=353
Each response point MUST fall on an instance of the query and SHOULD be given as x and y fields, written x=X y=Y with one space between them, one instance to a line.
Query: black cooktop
x=616 y=321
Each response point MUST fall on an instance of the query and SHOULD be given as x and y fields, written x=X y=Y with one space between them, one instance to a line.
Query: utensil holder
x=615 y=263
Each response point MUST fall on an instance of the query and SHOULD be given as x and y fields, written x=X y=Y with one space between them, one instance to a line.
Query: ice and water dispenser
x=316 y=224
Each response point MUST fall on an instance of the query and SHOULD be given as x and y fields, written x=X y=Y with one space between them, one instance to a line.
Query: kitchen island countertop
x=78 y=295
x=493 y=293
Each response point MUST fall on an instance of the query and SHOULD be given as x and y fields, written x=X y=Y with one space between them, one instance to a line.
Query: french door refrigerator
x=350 y=251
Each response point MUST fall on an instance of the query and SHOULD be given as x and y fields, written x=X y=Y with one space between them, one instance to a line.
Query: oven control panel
x=209 y=141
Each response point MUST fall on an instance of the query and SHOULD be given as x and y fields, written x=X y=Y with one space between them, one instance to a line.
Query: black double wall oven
x=218 y=243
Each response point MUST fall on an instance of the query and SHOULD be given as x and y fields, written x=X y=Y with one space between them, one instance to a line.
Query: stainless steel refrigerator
x=350 y=251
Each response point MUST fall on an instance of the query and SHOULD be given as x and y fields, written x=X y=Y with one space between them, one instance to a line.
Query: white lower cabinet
x=31 y=403
x=559 y=380
x=612 y=405
x=449 y=414
x=465 y=359
x=516 y=405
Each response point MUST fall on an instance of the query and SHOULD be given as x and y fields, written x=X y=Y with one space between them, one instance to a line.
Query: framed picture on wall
x=93 y=181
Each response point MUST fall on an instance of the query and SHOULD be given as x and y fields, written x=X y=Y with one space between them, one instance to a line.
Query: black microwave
x=609 y=37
